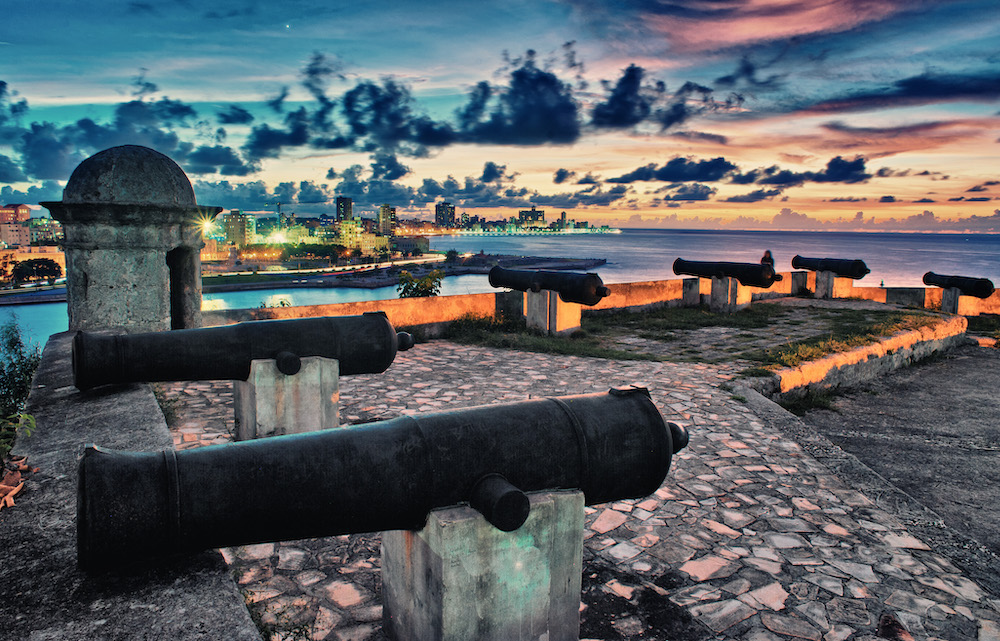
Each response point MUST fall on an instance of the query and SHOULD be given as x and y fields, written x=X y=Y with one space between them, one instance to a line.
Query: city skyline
x=783 y=114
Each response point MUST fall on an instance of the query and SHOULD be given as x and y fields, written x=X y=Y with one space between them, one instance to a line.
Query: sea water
x=895 y=260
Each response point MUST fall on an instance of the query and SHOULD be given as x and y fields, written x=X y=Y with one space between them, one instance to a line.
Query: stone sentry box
x=133 y=248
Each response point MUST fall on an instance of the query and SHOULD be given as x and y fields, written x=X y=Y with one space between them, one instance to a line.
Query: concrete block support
x=691 y=292
x=536 y=310
x=799 y=283
x=829 y=285
x=460 y=578
x=270 y=403
x=544 y=310
x=950 y=300
x=728 y=297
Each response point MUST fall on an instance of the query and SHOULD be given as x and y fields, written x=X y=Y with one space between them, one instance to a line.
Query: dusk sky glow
x=787 y=114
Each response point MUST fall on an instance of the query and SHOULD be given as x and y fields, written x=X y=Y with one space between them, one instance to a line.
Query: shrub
x=18 y=362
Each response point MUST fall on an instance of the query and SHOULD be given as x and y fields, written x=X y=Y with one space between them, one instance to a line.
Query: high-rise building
x=240 y=228
x=531 y=218
x=386 y=220
x=345 y=208
x=444 y=215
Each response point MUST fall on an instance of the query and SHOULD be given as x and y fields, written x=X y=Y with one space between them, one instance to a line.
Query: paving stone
x=790 y=626
x=709 y=567
x=608 y=520
x=722 y=615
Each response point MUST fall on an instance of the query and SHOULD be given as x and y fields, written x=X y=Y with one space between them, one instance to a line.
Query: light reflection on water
x=899 y=260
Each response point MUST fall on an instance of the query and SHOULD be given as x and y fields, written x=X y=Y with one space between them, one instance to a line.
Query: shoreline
x=363 y=279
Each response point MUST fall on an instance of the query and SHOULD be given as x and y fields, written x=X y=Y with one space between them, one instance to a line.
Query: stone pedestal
x=799 y=283
x=509 y=305
x=270 y=403
x=691 y=292
x=950 y=298
x=728 y=296
x=829 y=285
x=544 y=310
x=460 y=578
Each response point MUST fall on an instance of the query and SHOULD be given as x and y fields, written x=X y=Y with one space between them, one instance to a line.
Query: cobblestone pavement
x=749 y=537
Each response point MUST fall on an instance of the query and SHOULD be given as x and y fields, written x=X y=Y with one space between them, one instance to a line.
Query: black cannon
x=752 y=274
x=584 y=289
x=364 y=344
x=372 y=477
x=968 y=286
x=842 y=267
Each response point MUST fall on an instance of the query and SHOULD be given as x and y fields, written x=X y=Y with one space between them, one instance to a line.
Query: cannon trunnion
x=365 y=344
x=840 y=266
x=368 y=478
x=968 y=286
x=748 y=274
x=584 y=289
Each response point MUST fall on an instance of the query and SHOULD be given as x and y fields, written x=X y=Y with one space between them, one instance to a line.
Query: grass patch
x=984 y=324
x=514 y=334
x=851 y=329
x=669 y=319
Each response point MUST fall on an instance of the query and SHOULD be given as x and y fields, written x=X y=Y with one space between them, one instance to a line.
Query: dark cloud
x=234 y=115
x=251 y=195
x=493 y=172
x=10 y=172
x=924 y=200
x=840 y=170
x=680 y=169
x=837 y=170
x=978 y=188
x=693 y=192
x=277 y=104
x=698 y=136
x=47 y=153
x=562 y=175
x=381 y=116
x=331 y=173
x=979 y=199
x=629 y=103
x=887 y=199
x=141 y=86
x=267 y=142
x=746 y=76
x=684 y=106
x=386 y=166
x=589 y=179
x=310 y=192
x=536 y=107
x=217 y=159
x=848 y=199
x=754 y=196
x=926 y=88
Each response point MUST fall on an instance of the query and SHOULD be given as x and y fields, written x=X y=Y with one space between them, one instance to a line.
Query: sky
x=740 y=114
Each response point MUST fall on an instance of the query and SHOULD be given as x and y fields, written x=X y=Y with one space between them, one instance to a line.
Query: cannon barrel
x=584 y=289
x=978 y=287
x=364 y=344
x=372 y=477
x=840 y=266
x=752 y=274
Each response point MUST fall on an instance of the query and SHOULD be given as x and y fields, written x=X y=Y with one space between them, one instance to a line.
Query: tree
x=413 y=287
x=451 y=256
x=7 y=263
x=36 y=269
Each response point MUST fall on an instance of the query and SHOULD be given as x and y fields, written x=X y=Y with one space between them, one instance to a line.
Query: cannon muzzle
x=371 y=477
x=842 y=267
x=584 y=289
x=365 y=344
x=752 y=274
x=968 y=286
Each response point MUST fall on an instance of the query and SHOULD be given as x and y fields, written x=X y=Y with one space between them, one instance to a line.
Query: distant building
x=44 y=230
x=353 y=235
x=411 y=244
x=386 y=220
x=345 y=208
x=15 y=234
x=531 y=218
x=240 y=228
x=444 y=215
x=14 y=213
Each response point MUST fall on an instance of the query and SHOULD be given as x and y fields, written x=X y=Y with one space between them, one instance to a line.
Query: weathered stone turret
x=132 y=242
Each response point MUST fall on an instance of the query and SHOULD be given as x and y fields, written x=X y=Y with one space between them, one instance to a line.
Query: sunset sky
x=791 y=114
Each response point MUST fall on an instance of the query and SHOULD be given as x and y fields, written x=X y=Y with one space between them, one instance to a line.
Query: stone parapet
x=193 y=597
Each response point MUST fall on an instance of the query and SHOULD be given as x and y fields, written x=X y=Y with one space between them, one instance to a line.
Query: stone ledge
x=42 y=593
x=847 y=369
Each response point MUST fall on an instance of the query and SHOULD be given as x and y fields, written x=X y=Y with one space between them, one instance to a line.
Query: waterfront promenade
x=753 y=535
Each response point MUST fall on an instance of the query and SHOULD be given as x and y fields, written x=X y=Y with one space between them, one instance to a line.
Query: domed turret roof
x=129 y=174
